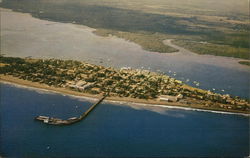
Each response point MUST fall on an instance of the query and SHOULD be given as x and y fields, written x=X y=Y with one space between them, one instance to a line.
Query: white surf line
x=124 y=102
x=176 y=107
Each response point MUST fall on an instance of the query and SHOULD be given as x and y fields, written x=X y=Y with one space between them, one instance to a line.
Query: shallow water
x=113 y=129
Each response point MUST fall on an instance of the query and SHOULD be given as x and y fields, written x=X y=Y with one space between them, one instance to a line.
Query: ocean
x=113 y=129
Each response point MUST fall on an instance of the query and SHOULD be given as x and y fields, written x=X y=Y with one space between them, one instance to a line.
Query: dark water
x=114 y=130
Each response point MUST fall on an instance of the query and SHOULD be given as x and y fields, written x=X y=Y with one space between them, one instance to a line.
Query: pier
x=57 y=121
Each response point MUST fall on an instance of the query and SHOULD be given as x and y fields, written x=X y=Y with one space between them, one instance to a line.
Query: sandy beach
x=122 y=100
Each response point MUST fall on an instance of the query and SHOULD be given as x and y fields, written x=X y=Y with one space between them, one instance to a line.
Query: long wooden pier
x=57 y=121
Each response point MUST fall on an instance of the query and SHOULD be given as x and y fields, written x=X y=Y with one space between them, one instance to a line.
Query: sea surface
x=23 y=35
x=114 y=130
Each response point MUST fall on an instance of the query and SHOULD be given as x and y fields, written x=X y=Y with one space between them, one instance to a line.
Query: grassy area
x=213 y=49
x=149 y=41
x=223 y=24
x=245 y=63
x=224 y=8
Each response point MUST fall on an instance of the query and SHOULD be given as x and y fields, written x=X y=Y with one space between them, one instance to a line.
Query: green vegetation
x=93 y=79
x=223 y=24
x=213 y=49
x=149 y=41
x=245 y=63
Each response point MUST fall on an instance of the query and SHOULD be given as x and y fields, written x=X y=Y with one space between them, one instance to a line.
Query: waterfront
x=46 y=39
x=114 y=129
x=132 y=85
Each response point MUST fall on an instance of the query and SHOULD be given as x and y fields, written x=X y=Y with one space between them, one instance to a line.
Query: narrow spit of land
x=139 y=86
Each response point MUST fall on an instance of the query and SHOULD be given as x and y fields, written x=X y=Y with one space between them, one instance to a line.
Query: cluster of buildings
x=125 y=82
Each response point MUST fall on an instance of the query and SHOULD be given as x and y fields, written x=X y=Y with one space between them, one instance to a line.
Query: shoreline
x=113 y=100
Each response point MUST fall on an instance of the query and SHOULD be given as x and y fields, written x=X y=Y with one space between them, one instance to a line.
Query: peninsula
x=126 y=84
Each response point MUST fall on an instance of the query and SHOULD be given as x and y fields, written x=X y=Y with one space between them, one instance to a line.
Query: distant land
x=216 y=28
x=245 y=63
x=126 y=84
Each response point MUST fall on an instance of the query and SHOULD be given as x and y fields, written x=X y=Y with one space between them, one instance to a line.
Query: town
x=124 y=83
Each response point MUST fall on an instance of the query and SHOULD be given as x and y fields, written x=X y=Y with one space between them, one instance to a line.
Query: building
x=80 y=83
x=170 y=98
x=45 y=119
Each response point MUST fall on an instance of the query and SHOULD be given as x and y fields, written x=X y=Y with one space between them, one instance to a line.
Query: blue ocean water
x=114 y=130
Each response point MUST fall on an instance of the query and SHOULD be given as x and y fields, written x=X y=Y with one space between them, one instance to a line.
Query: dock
x=57 y=121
